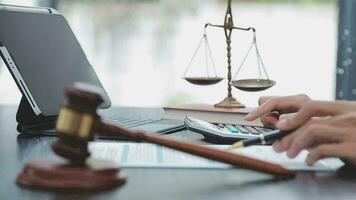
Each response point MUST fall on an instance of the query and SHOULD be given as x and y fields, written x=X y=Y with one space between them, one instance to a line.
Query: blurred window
x=141 y=48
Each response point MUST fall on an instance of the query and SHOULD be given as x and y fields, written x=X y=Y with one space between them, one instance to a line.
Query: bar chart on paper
x=149 y=155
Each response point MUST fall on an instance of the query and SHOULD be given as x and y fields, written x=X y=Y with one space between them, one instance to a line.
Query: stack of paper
x=150 y=155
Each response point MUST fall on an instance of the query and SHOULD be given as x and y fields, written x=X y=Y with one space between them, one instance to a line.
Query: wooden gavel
x=78 y=123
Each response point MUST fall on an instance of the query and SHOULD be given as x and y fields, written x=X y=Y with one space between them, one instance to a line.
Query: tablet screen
x=47 y=55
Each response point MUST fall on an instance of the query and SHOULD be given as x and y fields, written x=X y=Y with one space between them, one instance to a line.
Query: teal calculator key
x=232 y=128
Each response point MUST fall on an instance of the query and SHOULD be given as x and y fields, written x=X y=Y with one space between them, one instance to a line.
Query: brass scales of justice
x=249 y=85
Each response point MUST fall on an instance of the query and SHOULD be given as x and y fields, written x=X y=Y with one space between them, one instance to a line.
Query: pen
x=262 y=139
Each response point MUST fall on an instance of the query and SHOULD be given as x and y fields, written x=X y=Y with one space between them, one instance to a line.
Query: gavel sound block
x=78 y=123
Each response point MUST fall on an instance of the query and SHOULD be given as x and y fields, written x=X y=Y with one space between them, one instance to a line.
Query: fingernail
x=248 y=117
x=291 y=153
x=309 y=161
x=278 y=147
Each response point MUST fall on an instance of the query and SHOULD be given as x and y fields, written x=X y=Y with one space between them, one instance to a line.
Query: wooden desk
x=158 y=184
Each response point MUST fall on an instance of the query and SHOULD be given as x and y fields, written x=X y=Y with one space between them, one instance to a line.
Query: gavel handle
x=199 y=150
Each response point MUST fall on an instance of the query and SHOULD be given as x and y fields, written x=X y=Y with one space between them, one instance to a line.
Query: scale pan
x=253 y=85
x=203 y=80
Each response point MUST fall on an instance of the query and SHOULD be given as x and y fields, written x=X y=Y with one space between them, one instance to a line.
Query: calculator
x=223 y=133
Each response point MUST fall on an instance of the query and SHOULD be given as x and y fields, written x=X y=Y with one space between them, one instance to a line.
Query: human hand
x=272 y=109
x=324 y=137
x=315 y=109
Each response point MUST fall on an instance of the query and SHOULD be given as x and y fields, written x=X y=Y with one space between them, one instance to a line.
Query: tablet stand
x=29 y=122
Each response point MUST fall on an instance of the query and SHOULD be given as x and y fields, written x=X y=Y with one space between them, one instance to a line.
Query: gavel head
x=77 y=122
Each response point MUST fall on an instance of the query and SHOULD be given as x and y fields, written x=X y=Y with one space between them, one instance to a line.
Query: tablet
x=43 y=56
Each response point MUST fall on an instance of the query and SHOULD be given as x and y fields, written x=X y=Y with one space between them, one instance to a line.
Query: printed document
x=155 y=156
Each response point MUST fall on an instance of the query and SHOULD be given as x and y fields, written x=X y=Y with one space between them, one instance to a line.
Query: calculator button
x=220 y=125
x=242 y=129
x=222 y=128
x=232 y=128
x=217 y=126
x=260 y=130
x=252 y=130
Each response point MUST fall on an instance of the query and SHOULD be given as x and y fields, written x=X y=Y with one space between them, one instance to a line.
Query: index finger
x=288 y=103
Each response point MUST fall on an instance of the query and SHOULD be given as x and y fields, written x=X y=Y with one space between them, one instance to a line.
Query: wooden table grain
x=156 y=184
